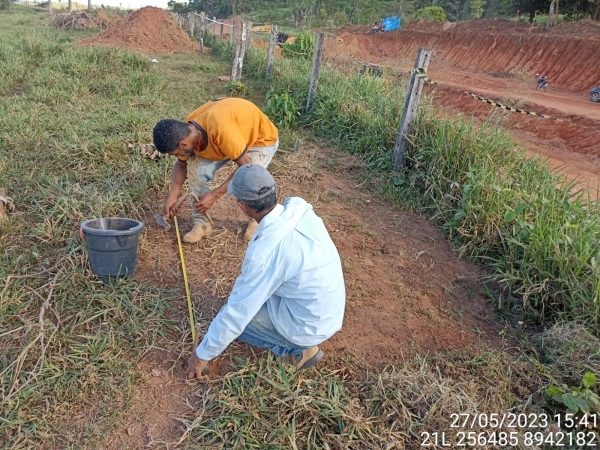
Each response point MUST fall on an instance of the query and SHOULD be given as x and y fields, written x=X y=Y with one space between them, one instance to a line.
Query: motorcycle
x=542 y=83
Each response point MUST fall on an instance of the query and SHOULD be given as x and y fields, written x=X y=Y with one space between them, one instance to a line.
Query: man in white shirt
x=290 y=295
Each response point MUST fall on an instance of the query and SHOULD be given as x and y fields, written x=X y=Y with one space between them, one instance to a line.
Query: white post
x=240 y=50
x=272 y=45
x=314 y=77
x=201 y=33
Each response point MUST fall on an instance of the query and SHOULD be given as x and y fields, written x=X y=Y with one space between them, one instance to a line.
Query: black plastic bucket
x=112 y=246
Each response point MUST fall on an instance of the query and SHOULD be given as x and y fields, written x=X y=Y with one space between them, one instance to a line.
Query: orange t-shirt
x=232 y=126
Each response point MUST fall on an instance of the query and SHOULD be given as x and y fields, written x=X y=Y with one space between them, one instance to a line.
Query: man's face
x=187 y=145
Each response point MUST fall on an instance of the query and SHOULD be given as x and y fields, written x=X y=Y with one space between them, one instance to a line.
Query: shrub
x=303 y=47
x=282 y=109
x=221 y=48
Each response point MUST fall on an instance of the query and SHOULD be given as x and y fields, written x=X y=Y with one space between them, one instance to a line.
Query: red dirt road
x=496 y=60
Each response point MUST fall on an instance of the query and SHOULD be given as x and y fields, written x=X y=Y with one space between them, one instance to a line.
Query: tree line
x=311 y=13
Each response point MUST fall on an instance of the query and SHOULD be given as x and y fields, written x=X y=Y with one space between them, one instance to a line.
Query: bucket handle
x=122 y=240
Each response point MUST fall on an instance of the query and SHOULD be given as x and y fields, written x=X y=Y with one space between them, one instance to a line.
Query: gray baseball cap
x=251 y=182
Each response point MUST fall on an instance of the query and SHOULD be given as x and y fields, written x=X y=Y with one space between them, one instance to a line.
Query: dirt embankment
x=498 y=60
x=148 y=30
x=567 y=54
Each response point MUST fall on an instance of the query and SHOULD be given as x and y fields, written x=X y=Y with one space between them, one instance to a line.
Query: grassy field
x=71 y=346
x=67 y=116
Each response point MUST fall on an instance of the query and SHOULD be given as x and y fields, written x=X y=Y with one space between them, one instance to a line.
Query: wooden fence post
x=272 y=45
x=89 y=5
x=201 y=33
x=231 y=33
x=192 y=22
x=221 y=32
x=249 y=36
x=70 y=6
x=410 y=110
x=50 y=6
x=214 y=31
x=240 y=50
x=316 y=67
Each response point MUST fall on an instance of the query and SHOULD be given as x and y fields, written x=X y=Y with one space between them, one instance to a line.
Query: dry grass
x=266 y=404
x=568 y=350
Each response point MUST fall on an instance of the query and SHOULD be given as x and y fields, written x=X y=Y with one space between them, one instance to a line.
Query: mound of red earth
x=147 y=30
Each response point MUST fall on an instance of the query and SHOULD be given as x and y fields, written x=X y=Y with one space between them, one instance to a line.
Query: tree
x=595 y=9
x=4 y=4
x=303 y=10
x=340 y=19
x=552 y=13
x=476 y=8
x=431 y=13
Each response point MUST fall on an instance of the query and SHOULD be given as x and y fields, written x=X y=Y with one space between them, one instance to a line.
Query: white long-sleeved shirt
x=292 y=264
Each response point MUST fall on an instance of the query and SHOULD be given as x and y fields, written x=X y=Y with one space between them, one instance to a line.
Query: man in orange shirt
x=221 y=130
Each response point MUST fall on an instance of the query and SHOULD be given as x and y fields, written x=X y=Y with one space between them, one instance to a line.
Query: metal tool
x=162 y=220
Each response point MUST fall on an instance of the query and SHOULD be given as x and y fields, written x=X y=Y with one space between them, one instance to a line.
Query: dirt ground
x=148 y=29
x=498 y=60
x=407 y=291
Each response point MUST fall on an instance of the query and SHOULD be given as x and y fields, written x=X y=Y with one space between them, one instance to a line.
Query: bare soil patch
x=148 y=29
x=407 y=292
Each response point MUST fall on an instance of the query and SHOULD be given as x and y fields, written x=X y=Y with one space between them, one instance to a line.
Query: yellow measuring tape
x=187 y=285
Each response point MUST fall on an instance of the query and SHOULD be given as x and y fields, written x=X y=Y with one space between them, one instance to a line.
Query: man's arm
x=206 y=201
x=179 y=176
x=255 y=285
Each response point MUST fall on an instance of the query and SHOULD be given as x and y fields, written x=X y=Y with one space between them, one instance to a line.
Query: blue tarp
x=391 y=23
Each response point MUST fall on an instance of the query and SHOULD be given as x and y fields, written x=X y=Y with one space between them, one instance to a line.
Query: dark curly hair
x=269 y=201
x=168 y=133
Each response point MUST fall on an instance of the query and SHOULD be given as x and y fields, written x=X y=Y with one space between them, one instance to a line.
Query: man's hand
x=205 y=201
x=195 y=366
x=170 y=210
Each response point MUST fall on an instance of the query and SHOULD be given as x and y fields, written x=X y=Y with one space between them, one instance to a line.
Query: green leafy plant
x=431 y=13
x=282 y=109
x=303 y=47
x=220 y=48
x=580 y=399
x=236 y=89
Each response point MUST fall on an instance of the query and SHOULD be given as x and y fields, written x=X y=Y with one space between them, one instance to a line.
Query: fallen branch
x=6 y=203
x=16 y=386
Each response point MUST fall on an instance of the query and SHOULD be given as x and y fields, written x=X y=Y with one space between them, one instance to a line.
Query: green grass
x=67 y=115
x=538 y=233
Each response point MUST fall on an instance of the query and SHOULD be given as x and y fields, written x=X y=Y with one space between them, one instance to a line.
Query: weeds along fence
x=209 y=29
x=537 y=231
